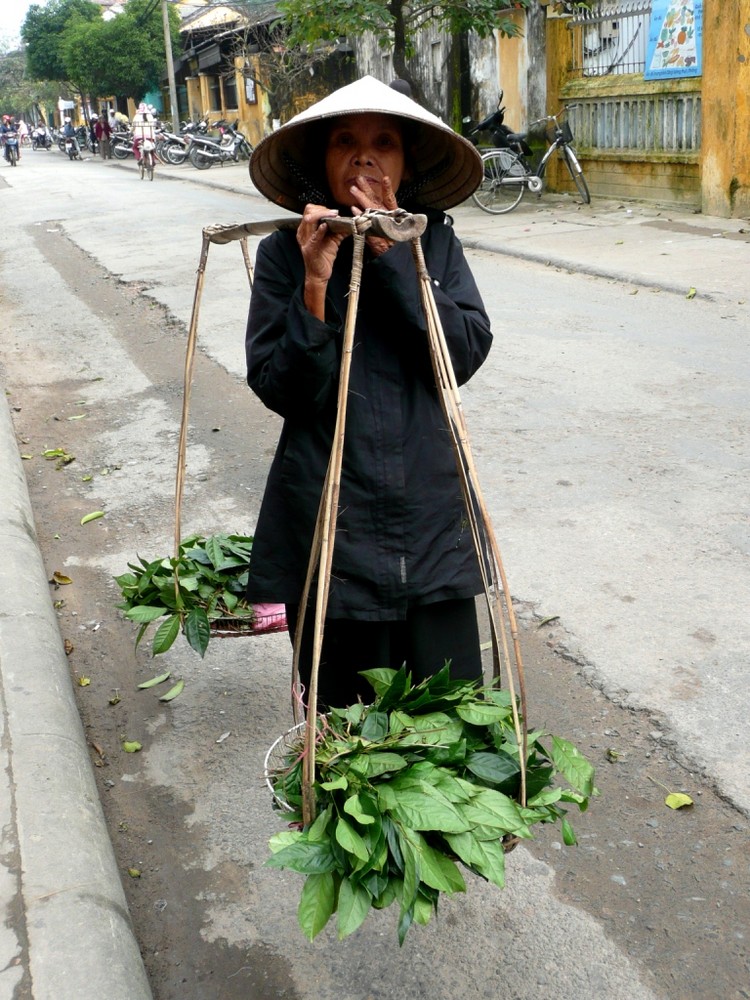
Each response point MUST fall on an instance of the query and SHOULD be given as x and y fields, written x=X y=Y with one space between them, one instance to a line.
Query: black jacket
x=402 y=536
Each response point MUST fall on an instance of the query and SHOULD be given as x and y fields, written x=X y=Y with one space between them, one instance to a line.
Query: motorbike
x=122 y=145
x=40 y=138
x=72 y=149
x=204 y=151
x=501 y=136
x=10 y=141
x=172 y=147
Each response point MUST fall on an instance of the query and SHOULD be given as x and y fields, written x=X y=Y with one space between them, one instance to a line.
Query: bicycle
x=507 y=169
x=147 y=159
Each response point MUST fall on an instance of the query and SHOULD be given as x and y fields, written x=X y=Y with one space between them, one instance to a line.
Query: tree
x=395 y=22
x=124 y=56
x=43 y=32
x=20 y=95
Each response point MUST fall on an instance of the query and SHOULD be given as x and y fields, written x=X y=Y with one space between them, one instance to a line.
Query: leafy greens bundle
x=205 y=583
x=425 y=777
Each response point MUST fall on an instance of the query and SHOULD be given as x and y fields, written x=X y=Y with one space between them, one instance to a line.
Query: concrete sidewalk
x=66 y=933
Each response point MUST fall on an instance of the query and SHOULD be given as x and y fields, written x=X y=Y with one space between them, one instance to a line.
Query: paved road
x=619 y=417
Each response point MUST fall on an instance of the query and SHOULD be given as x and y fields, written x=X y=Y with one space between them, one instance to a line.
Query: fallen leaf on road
x=691 y=293
x=131 y=746
x=60 y=578
x=94 y=516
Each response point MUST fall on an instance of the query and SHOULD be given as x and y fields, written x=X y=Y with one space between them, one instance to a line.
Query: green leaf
x=380 y=679
x=568 y=834
x=383 y=763
x=316 y=904
x=481 y=713
x=486 y=857
x=354 y=905
x=494 y=768
x=166 y=634
x=678 y=800
x=173 y=692
x=574 y=767
x=154 y=681
x=304 y=857
x=317 y=830
x=492 y=808
x=375 y=726
x=93 y=516
x=353 y=807
x=144 y=613
x=436 y=870
x=427 y=809
x=214 y=552
x=348 y=838
x=197 y=630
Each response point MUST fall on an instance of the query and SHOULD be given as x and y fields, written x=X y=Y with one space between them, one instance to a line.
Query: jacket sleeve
x=293 y=359
x=462 y=314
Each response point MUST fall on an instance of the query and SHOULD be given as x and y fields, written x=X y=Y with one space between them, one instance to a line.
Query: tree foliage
x=43 y=32
x=69 y=41
x=122 y=56
x=395 y=22
x=20 y=95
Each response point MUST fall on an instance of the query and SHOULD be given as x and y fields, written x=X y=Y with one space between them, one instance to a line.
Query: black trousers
x=430 y=635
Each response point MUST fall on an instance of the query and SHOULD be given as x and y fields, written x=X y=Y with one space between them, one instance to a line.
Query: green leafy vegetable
x=204 y=584
x=408 y=789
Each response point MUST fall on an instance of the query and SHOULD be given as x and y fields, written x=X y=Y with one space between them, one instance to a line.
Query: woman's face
x=364 y=148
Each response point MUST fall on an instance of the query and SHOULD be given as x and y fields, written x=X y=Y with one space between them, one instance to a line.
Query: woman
x=404 y=574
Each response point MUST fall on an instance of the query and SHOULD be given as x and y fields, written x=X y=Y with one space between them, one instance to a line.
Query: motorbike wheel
x=175 y=153
x=72 y=153
x=199 y=159
x=121 y=151
x=11 y=156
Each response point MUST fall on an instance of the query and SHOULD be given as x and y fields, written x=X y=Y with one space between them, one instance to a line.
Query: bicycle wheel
x=150 y=163
x=503 y=183
x=571 y=162
x=142 y=165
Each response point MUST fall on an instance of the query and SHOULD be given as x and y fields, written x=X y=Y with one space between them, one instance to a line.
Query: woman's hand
x=366 y=198
x=319 y=247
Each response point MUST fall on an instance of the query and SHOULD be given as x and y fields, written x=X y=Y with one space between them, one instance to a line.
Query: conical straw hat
x=447 y=167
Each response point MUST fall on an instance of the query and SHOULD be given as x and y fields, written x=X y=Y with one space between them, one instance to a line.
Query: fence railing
x=610 y=38
x=659 y=123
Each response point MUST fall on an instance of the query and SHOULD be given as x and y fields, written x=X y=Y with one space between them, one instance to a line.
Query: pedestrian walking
x=405 y=573
x=103 y=133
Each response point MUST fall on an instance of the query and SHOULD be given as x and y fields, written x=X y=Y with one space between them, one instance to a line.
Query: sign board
x=675 y=40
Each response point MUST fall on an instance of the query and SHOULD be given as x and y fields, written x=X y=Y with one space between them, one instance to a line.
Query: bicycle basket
x=558 y=130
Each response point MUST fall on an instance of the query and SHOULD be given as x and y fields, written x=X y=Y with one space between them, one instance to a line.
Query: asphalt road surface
x=610 y=431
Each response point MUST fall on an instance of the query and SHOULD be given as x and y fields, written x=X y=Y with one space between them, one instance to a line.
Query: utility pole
x=170 y=68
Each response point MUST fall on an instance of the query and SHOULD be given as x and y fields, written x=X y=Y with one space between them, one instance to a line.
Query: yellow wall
x=717 y=178
x=725 y=179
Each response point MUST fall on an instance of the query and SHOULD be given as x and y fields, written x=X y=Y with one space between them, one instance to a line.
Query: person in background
x=103 y=133
x=23 y=135
x=92 y=133
x=144 y=127
x=405 y=572
x=69 y=132
x=401 y=87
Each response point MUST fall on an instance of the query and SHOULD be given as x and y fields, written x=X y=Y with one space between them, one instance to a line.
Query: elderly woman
x=405 y=573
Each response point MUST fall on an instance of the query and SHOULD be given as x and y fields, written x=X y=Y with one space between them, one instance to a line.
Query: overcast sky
x=12 y=16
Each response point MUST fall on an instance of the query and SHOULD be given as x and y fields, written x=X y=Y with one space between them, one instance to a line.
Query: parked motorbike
x=501 y=136
x=204 y=151
x=172 y=147
x=41 y=138
x=10 y=142
x=122 y=144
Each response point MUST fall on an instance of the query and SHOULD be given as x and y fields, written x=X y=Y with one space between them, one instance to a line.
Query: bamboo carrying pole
x=486 y=547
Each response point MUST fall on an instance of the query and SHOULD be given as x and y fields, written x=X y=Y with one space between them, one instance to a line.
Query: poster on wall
x=675 y=40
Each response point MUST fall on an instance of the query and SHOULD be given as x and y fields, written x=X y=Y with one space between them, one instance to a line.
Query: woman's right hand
x=319 y=247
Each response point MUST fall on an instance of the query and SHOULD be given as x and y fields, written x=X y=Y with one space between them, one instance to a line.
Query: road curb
x=78 y=941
